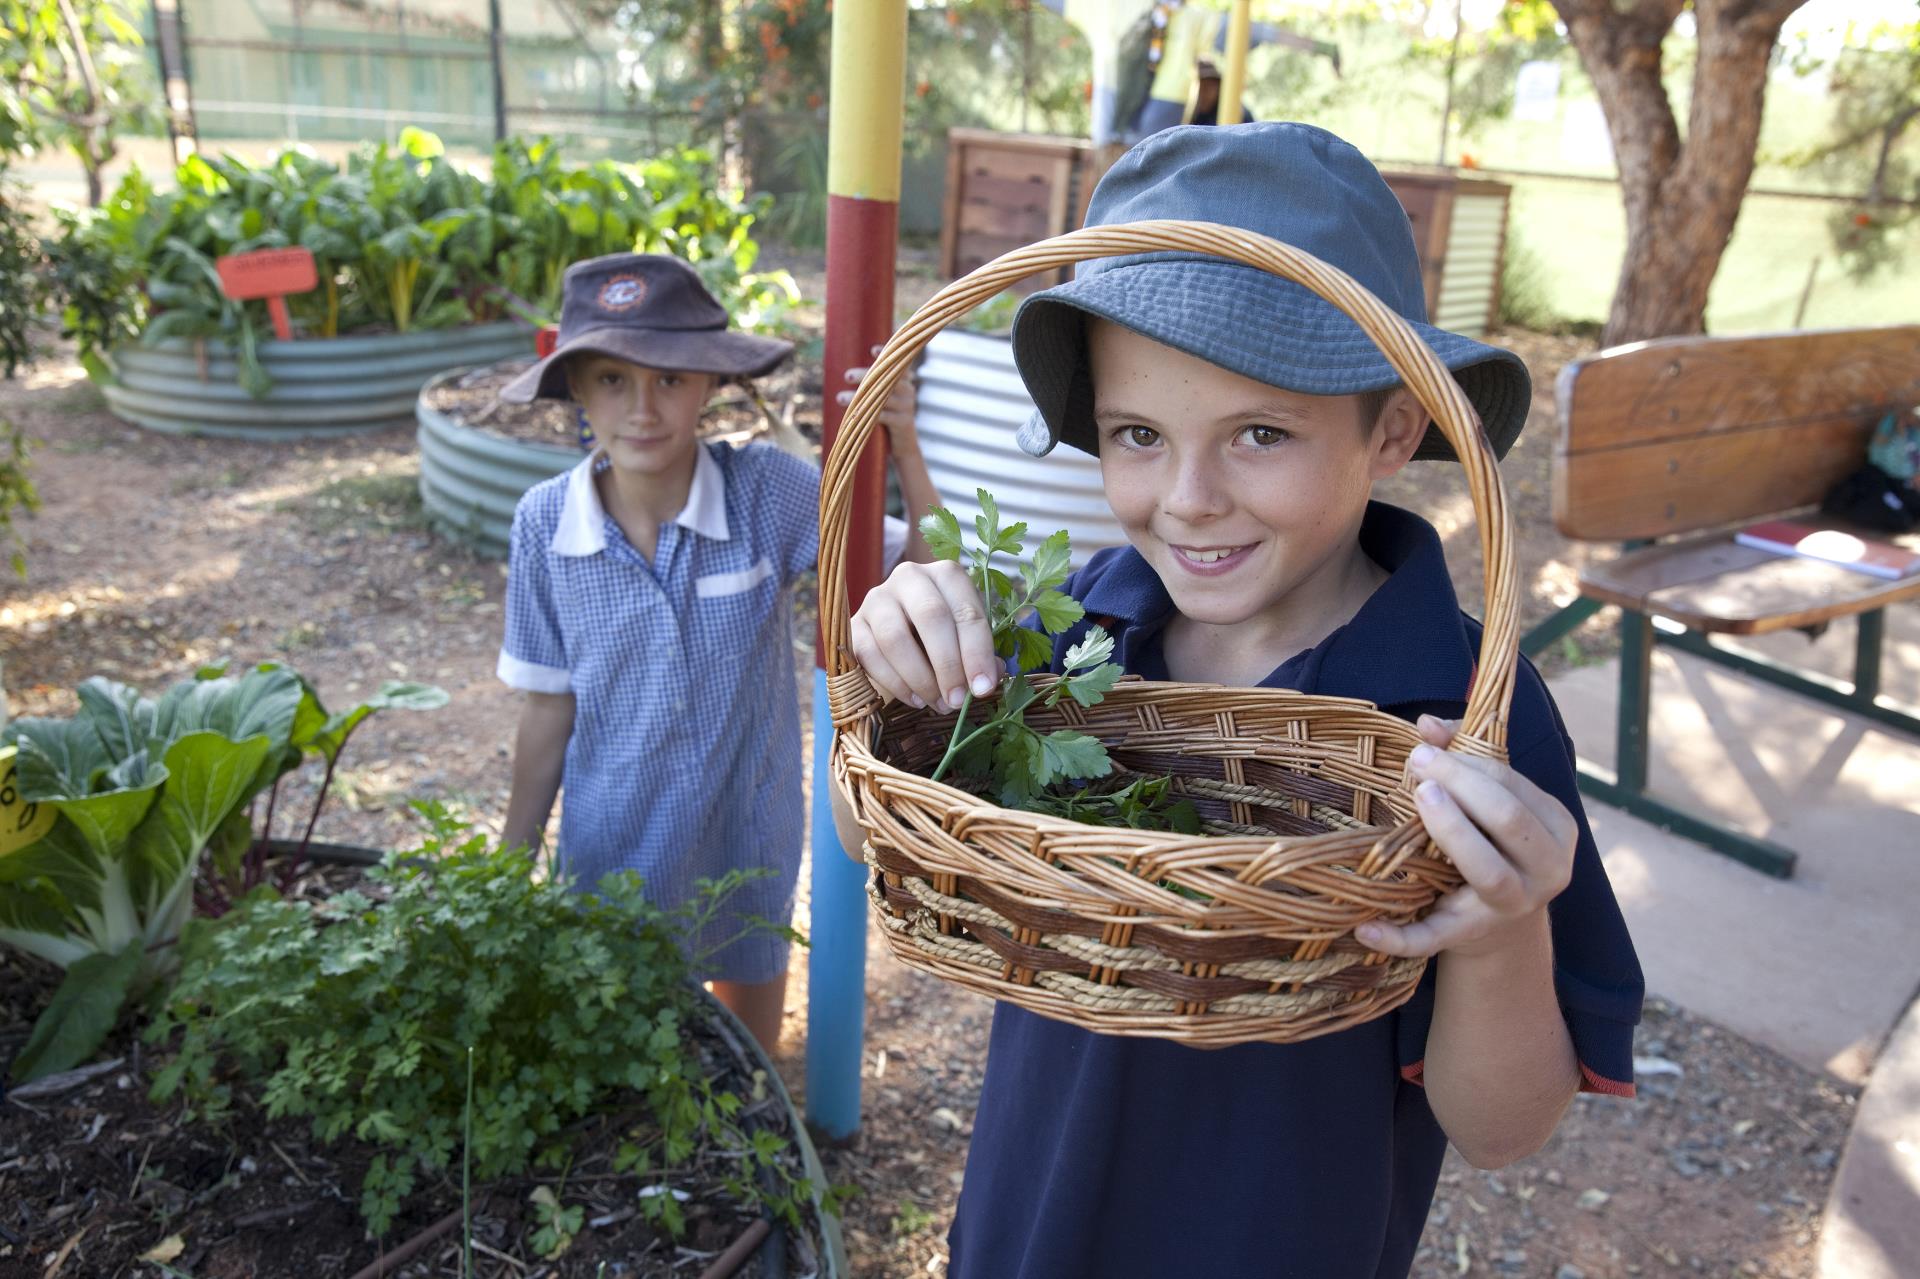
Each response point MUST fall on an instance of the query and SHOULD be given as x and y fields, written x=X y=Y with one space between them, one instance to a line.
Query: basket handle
x=1484 y=730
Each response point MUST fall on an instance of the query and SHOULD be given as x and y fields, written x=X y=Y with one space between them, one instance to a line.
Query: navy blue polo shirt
x=1105 y=1157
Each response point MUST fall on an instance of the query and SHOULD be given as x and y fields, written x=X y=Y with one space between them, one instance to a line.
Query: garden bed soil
x=156 y=554
x=473 y=399
x=97 y=1178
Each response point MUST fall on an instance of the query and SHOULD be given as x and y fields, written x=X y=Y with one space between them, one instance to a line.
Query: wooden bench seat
x=1668 y=445
x=1716 y=585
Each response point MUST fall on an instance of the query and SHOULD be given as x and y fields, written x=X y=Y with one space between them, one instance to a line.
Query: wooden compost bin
x=1460 y=229
x=1005 y=190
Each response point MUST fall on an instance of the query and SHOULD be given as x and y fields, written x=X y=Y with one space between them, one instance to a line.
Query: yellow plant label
x=21 y=823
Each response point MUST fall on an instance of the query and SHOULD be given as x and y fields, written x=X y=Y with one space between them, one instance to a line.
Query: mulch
x=472 y=398
x=97 y=1181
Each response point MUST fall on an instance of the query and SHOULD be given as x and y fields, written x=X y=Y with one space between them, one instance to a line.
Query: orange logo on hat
x=623 y=293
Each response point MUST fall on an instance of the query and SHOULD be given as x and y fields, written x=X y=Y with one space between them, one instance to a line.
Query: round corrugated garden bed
x=321 y=386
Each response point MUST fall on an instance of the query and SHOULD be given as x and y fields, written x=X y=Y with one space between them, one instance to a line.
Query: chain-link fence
x=469 y=70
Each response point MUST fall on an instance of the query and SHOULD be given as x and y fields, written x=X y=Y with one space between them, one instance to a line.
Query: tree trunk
x=1681 y=197
x=93 y=130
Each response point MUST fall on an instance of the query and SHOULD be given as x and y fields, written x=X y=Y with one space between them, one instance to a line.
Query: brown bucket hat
x=648 y=309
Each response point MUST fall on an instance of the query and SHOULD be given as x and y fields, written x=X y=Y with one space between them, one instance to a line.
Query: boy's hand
x=923 y=637
x=1512 y=841
x=896 y=415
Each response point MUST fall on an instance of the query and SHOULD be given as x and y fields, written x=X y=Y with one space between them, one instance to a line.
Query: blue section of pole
x=837 y=960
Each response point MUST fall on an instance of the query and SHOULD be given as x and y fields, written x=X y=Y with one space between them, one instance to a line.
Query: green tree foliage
x=1487 y=63
x=72 y=77
x=23 y=289
x=1873 y=143
x=757 y=73
x=17 y=496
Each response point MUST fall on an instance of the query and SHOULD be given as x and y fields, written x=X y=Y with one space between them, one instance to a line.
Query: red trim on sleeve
x=1590 y=1081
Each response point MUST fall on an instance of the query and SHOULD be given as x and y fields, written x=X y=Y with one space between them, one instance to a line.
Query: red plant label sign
x=266 y=273
x=21 y=823
x=269 y=274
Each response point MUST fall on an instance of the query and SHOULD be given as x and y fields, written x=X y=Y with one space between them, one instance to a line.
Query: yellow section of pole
x=864 y=117
x=1239 y=34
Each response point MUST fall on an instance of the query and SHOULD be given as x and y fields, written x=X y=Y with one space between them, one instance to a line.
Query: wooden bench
x=1669 y=447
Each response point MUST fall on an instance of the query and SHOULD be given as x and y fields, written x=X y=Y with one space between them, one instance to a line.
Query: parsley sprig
x=1045 y=772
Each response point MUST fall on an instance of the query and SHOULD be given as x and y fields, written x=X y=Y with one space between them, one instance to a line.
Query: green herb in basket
x=1026 y=768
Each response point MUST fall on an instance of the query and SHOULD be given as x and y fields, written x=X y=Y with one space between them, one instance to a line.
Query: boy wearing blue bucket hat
x=649 y=612
x=1240 y=422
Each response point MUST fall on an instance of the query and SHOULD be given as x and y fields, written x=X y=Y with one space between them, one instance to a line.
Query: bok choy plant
x=145 y=791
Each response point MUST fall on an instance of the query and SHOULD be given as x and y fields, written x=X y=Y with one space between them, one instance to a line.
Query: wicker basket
x=1242 y=934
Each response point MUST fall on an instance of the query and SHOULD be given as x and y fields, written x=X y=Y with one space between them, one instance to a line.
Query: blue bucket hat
x=1300 y=185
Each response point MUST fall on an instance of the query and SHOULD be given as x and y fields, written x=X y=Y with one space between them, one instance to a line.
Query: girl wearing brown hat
x=649 y=619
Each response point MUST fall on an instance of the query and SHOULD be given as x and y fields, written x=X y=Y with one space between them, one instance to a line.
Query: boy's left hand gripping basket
x=1318 y=830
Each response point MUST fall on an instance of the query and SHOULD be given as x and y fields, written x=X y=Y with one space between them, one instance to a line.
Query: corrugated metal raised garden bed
x=321 y=386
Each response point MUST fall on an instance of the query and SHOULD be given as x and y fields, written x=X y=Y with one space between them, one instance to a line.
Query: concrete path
x=1818 y=967
x=1872 y=1224
x=1823 y=967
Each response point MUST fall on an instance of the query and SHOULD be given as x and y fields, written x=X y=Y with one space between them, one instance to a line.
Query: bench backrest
x=1680 y=434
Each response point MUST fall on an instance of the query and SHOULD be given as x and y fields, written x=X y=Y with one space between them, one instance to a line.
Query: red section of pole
x=860 y=244
x=861 y=238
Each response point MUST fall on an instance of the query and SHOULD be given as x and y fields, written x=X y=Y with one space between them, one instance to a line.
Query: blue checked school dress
x=685 y=760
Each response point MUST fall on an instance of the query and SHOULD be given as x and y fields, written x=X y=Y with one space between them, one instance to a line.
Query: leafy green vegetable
x=80 y=1014
x=359 y=1016
x=143 y=791
x=403 y=238
x=1026 y=768
x=1142 y=804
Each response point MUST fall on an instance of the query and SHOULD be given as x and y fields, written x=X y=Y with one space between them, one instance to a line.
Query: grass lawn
x=1579 y=231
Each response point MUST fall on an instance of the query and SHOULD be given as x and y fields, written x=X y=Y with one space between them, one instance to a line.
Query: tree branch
x=1572 y=9
x=1659 y=14
x=1895 y=124
x=81 y=55
x=1654 y=15
x=1890 y=134
x=1776 y=11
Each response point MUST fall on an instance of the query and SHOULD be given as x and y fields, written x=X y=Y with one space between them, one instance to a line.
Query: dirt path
x=154 y=555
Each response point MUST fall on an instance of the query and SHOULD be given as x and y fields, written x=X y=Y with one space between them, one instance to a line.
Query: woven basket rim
x=1483 y=727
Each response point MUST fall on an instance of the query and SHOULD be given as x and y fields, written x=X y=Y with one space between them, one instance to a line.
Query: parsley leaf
x=1030 y=648
x=1096 y=648
x=1058 y=611
x=941 y=529
x=1091 y=688
x=1002 y=755
x=1052 y=562
x=1070 y=756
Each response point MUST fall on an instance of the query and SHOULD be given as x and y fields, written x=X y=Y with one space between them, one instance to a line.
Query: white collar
x=583 y=520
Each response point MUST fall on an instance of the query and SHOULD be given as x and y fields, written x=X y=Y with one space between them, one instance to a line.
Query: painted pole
x=496 y=52
x=1234 y=83
x=868 y=101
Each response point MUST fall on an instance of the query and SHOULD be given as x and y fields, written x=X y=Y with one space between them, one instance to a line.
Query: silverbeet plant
x=1064 y=772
